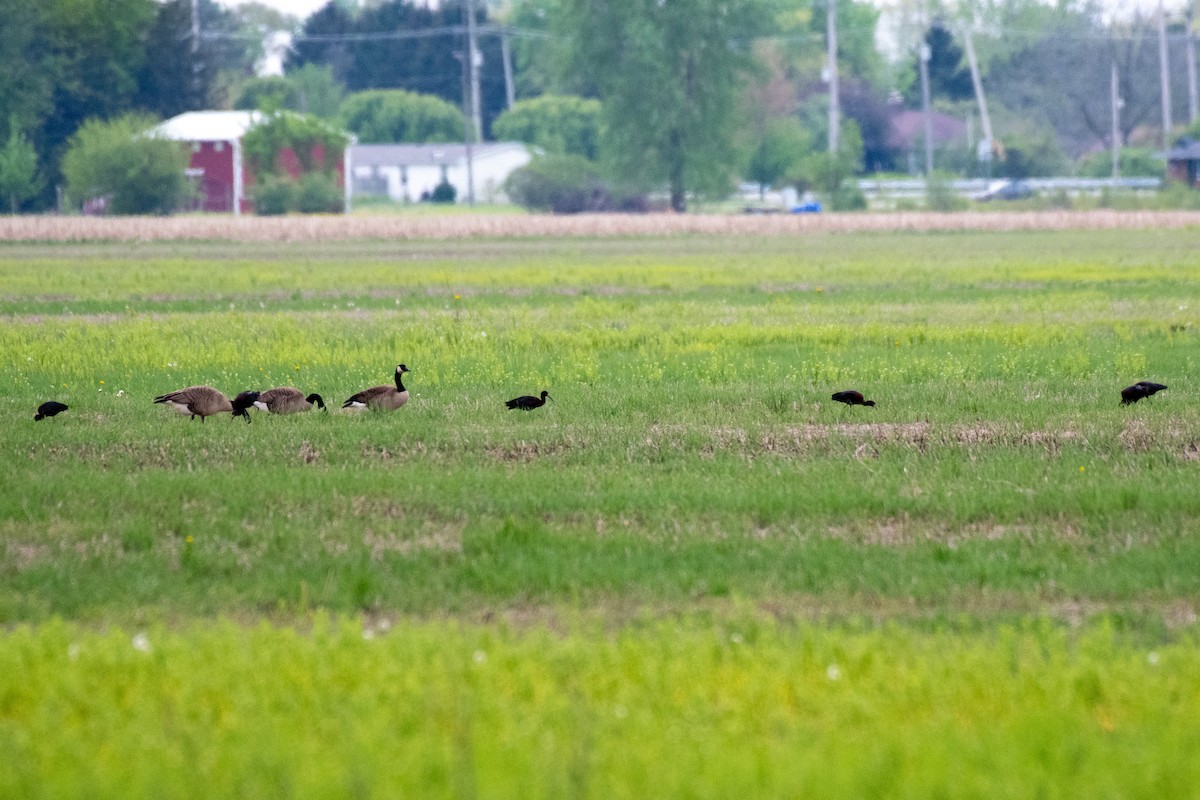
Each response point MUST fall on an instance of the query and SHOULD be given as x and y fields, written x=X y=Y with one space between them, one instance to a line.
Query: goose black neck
x=399 y=381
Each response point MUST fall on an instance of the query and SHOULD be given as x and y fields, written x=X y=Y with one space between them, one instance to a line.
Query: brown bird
x=528 y=402
x=286 y=400
x=49 y=409
x=1131 y=394
x=852 y=398
x=381 y=398
x=204 y=401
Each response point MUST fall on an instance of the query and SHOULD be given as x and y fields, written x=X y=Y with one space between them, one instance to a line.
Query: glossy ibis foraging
x=381 y=398
x=49 y=409
x=527 y=402
x=286 y=400
x=1131 y=394
x=852 y=398
x=204 y=401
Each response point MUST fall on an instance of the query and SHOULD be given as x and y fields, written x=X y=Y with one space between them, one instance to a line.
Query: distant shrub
x=940 y=194
x=444 y=192
x=1132 y=162
x=274 y=195
x=318 y=194
x=568 y=185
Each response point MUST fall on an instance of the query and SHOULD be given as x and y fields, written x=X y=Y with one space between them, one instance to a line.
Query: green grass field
x=691 y=575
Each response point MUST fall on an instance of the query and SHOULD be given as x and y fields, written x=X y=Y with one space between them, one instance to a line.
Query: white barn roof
x=209 y=126
x=412 y=155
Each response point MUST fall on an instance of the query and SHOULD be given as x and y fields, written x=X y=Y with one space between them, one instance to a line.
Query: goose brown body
x=286 y=400
x=204 y=401
x=381 y=398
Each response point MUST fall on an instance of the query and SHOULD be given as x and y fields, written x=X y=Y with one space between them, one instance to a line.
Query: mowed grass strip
x=692 y=450
x=734 y=706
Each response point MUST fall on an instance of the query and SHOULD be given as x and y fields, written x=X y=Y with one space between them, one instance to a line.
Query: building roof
x=1185 y=150
x=907 y=127
x=413 y=155
x=209 y=126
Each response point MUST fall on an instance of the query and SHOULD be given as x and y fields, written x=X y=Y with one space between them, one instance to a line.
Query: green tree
x=393 y=115
x=19 y=179
x=778 y=152
x=315 y=143
x=123 y=160
x=317 y=91
x=268 y=93
x=668 y=74
x=557 y=124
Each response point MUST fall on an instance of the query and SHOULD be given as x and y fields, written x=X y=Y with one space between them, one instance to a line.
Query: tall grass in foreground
x=734 y=707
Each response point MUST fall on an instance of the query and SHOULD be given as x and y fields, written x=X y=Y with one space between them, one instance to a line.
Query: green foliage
x=559 y=125
x=122 y=160
x=1032 y=155
x=940 y=194
x=274 y=195
x=19 y=179
x=444 y=192
x=316 y=144
x=777 y=153
x=268 y=93
x=317 y=193
x=725 y=704
x=1132 y=162
x=317 y=91
x=667 y=77
x=567 y=185
x=392 y=115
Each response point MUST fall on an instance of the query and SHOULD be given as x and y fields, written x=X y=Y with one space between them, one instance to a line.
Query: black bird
x=49 y=409
x=527 y=402
x=243 y=403
x=1131 y=394
x=852 y=398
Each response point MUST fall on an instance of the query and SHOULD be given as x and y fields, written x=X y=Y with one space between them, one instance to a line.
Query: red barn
x=216 y=164
x=216 y=167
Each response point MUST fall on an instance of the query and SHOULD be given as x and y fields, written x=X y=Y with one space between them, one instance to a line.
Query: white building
x=410 y=172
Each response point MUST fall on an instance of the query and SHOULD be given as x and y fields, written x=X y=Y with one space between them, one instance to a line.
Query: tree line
x=686 y=96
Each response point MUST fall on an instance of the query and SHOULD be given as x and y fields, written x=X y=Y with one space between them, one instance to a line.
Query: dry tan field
x=468 y=226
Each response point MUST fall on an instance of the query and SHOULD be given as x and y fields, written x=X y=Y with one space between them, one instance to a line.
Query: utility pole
x=510 y=96
x=473 y=48
x=924 y=64
x=1164 y=76
x=985 y=149
x=467 y=119
x=196 y=53
x=1190 y=45
x=1115 y=98
x=835 y=111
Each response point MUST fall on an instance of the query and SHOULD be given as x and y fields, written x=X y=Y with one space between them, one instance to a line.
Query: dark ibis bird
x=1131 y=394
x=381 y=398
x=49 y=409
x=204 y=401
x=286 y=400
x=528 y=402
x=852 y=398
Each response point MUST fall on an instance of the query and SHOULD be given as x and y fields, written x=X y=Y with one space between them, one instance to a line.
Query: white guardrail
x=915 y=187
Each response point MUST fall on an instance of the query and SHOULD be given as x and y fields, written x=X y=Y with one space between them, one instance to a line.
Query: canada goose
x=1131 y=394
x=527 y=402
x=852 y=398
x=286 y=400
x=204 y=401
x=381 y=398
x=49 y=409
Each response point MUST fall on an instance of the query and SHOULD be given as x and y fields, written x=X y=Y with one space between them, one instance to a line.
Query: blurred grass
x=730 y=706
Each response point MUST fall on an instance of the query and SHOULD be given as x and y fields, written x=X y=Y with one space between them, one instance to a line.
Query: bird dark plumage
x=243 y=403
x=1131 y=394
x=852 y=398
x=286 y=400
x=49 y=409
x=527 y=402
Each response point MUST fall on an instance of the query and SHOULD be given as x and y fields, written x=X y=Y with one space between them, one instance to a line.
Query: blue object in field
x=811 y=207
